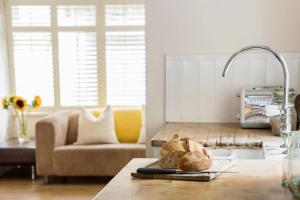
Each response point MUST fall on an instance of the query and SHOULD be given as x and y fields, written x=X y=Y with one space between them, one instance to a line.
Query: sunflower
x=11 y=98
x=5 y=103
x=20 y=104
x=37 y=102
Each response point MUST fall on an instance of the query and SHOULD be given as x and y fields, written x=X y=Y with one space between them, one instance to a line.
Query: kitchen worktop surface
x=223 y=135
x=256 y=179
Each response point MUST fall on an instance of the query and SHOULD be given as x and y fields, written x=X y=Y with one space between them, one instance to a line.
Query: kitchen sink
x=238 y=153
x=230 y=153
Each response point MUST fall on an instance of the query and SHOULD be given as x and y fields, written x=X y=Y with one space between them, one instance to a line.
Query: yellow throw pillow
x=128 y=123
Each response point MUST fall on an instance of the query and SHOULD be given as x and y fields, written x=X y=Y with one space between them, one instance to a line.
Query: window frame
x=100 y=29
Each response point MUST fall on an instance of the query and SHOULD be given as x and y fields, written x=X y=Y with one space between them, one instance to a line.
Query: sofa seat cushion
x=94 y=160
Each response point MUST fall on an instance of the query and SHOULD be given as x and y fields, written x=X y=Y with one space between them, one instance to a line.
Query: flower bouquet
x=19 y=105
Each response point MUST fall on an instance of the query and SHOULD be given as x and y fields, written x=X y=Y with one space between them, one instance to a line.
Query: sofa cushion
x=96 y=130
x=128 y=123
x=72 y=128
x=94 y=160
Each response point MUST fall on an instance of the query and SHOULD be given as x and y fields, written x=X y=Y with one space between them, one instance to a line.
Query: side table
x=12 y=152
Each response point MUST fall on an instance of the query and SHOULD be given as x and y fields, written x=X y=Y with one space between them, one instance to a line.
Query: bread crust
x=195 y=161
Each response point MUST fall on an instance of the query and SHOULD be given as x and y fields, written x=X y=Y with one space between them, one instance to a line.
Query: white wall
x=196 y=91
x=210 y=26
x=4 y=82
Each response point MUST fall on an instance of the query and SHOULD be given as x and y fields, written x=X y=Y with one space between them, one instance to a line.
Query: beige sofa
x=56 y=155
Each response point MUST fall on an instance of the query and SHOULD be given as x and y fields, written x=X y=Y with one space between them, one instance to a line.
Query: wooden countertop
x=257 y=179
x=214 y=134
x=223 y=135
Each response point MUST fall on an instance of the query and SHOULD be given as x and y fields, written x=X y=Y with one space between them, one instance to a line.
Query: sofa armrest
x=50 y=132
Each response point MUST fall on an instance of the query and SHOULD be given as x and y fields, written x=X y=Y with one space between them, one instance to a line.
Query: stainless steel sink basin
x=238 y=153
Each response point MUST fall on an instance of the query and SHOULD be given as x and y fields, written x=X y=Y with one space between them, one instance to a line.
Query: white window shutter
x=78 y=68
x=124 y=15
x=31 y=15
x=125 y=68
x=76 y=15
x=33 y=65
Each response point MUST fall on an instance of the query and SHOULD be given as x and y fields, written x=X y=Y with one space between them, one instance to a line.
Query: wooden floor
x=16 y=184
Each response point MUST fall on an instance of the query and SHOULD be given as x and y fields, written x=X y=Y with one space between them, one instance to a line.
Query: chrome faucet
x=285 y=125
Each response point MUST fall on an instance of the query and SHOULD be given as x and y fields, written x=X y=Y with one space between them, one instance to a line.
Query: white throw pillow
x=142 y=137
x=92 y=130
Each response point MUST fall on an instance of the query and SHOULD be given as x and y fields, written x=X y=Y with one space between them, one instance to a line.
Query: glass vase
x=24 y=135
x=293 y=168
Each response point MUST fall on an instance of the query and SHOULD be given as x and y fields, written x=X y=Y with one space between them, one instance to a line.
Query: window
x=77 y=55
x=71 y=56
x=32 y=52
x=125 y=54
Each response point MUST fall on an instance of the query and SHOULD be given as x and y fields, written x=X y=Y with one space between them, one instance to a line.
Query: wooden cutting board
x=205 y=175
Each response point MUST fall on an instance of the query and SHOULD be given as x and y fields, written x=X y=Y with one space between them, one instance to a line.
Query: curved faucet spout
x=277 y=56
x=285 y=118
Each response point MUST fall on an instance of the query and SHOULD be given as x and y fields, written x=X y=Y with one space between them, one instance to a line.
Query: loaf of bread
x=184 y=154
x=171 y=152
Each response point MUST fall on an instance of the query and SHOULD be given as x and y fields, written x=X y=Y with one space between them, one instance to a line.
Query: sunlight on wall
x=4 y=82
